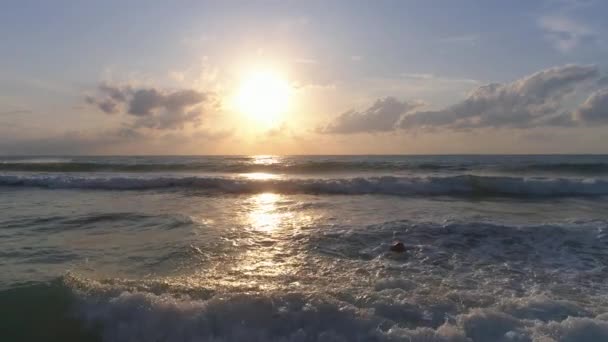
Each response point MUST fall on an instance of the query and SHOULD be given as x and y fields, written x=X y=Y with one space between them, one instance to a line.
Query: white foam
x=466 y=185
x=572 y=329
x=460 y=282
x=394 y=283
x=144 y=316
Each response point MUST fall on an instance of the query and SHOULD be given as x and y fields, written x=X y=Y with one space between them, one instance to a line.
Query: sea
x=303 y=248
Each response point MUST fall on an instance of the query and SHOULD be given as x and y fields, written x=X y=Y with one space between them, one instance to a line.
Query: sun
x=264 y=96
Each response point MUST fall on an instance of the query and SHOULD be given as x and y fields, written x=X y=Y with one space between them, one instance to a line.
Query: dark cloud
x=165 y=119
x=534 y=100
x=113 y=92
x=183 y=98
x=128 y=133
x=151 y=107
x=382 y=116
x=595 y=109
x=144 y=101
x=106 y=105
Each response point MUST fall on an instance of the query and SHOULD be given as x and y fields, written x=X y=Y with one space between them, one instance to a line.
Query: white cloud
x=595 y=109
x=431 y=77
x=536 y=100
x=565 y=33
x=533 y=100
x=382 y=116
x=469 y=39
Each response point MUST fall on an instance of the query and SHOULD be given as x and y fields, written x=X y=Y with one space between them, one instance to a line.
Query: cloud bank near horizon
x=540 y=99
x=550 y=98
x=382 y=116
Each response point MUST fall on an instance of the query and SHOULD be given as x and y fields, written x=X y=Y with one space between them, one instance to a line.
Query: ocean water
x=270 y=248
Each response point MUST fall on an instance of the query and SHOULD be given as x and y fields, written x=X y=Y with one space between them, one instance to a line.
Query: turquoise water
x=498 y=248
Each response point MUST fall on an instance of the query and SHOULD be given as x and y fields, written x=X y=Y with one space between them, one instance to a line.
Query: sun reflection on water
x=259 y=176
x=265 y=160
x=264 y=216
x=265 y=256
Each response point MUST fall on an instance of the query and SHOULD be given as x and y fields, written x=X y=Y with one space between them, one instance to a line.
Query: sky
x=318 y=77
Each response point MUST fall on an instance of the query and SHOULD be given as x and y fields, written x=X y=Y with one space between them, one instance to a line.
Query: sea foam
x=462 y=185
x=134 y=315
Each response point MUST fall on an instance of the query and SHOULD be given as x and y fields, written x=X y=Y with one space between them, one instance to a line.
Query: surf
x=460 y=185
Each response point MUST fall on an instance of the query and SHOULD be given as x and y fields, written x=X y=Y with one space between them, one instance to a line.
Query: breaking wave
x=460 y=283
x=461 y=185
x=298 y=166
x=114 y=312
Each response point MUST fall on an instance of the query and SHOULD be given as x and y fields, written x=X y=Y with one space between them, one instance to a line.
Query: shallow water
x=498 y=248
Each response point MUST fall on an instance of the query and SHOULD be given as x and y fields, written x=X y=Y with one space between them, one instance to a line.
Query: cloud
x=107 y=106
x=15 y=112
x=534 y=100
x=69 y=142
x=151 y=107
x=565 y=33
x=122 y=140
x=431 y=77
x=540 y=99
x=281 y=131
x=418 y=76
x=595 y=108
x=382 y=116
x=470 y=39
x=144 y=102
x=114 y=93
x=213 y=135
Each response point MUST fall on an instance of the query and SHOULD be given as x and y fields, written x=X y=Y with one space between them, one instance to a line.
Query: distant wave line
x=300 y=167
x=460 y=185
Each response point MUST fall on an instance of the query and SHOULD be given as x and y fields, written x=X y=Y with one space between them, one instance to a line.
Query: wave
x=299 y=166
x=574 y=247
x=79 y=309
x=461 y=185
x=583 y=168
x=462 y=281
x=226 y=167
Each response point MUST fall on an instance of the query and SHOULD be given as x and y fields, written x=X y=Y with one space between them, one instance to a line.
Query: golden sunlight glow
x=259 y=175
x=265 y=159
x=265 y=217
x=263 y=95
